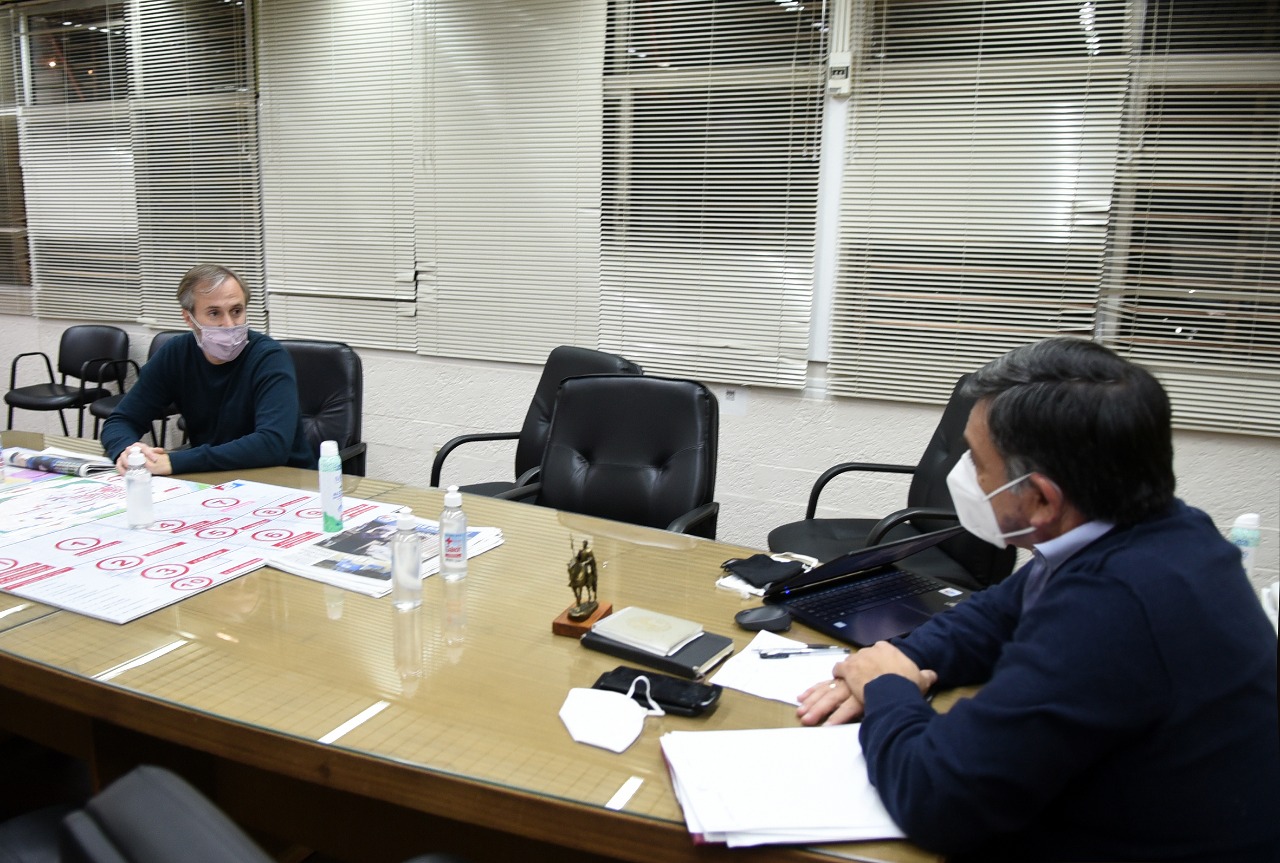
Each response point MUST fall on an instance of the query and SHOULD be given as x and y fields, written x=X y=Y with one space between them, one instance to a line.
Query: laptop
x=862 y=598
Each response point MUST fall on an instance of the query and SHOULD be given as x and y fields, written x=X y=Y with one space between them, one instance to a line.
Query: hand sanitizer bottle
x=137 y=489
x=330 y=467
x=406 y=562
x=453 y=537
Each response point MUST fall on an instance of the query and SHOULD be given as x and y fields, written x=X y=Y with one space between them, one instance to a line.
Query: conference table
x=330 y=719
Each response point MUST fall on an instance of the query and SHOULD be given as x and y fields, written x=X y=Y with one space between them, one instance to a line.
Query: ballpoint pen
x=805 y=650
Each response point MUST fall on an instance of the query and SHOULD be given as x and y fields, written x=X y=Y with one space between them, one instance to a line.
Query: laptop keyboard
x=844 y=599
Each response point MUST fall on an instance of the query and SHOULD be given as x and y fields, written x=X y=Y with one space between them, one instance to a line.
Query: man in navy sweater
x=236 y=389
x=1128 y=672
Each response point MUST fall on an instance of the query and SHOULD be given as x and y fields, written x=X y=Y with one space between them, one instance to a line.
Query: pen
x=807 y=650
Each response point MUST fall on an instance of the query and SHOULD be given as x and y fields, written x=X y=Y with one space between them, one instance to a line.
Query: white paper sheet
x=776 y=679
x=815 y=790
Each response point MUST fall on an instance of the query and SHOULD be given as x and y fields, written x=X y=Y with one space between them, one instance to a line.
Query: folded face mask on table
x=609 y=720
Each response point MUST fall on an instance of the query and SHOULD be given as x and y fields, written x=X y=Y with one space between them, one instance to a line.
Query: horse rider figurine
x=582 y=578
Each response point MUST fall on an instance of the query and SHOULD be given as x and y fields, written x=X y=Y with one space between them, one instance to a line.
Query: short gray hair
x=205 y=278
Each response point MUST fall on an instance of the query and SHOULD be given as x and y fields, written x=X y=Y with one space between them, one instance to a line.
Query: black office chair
x=965 y=561
x=149 y=815
x=563 y=362
x=89 y=353
x=331 y=397
x=632 y=448
x=103 y=407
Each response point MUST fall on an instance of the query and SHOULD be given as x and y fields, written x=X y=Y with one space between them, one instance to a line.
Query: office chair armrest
x=521 y=492
x=835 y=470
x=119 y=377
x=893 y=519
x=349 y=452
x=437 y=464
x=13 y=367
x=533 y=474
x=704 y=514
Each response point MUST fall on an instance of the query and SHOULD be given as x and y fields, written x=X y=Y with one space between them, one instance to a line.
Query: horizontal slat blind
x=81 y=212
x=982 y=142
x=508 y=233
x=713 y=115
x=195 y=150
x=77 y=164
x=340 y=84
x=1193 y=289
x=15 y=270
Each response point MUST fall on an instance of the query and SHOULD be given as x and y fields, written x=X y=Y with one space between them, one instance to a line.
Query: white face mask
x=609 y=720
x=973 y=506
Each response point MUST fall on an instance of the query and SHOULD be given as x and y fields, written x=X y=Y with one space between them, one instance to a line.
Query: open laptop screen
x=862 y=560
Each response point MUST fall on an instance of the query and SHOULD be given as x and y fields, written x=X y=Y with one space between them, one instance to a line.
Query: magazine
x=57 y=461
x=359 y=558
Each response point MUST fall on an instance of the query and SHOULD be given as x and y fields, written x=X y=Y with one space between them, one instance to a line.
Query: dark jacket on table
x=1129 y=714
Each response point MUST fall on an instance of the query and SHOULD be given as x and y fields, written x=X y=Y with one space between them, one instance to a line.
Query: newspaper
x=359 y=558
x=57 y=461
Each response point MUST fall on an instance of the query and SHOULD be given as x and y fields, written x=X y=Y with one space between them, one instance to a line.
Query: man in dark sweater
x=236 y=389
x=1128 y=701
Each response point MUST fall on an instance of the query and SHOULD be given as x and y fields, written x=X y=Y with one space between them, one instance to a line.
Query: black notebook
x=693 y=660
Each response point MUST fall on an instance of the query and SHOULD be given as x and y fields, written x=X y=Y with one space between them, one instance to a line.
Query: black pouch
x=682 y=697
x=761 y=570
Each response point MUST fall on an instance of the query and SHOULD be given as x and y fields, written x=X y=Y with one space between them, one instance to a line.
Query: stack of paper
x=359 y=558
x=814 y=790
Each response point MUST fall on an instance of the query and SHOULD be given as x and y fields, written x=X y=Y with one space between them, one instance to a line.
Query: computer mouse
x=767 y=617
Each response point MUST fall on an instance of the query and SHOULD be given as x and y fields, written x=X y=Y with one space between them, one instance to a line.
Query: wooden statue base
x=562 y=625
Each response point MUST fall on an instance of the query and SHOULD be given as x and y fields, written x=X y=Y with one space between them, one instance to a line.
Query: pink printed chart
x=77 y=552
x=33 y=509
x=116 y=574
x=249 y=514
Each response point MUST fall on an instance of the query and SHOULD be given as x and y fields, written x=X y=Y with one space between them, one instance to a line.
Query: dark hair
x=1095 y=423
x=204 y=278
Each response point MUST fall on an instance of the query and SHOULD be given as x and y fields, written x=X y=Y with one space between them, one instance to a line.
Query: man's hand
x=830 y=703
x=157 y=459
x=842 y=699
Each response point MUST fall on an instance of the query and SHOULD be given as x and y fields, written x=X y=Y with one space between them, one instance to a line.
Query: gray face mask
x=973 y=505
x=222 y=344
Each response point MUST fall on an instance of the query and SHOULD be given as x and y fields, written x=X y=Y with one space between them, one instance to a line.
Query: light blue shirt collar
x=1056 y=551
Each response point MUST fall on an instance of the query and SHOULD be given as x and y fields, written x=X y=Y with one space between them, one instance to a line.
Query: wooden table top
x=451 y=708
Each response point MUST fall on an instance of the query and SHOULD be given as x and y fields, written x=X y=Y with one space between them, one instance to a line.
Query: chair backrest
x=330 y=390
x=987 y=563
x=151 y=815
x=161 y=338
x=563 y=362
x=80 y=344
x=632 y=448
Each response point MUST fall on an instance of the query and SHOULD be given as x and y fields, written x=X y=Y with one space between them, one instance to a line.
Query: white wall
x=773 y=444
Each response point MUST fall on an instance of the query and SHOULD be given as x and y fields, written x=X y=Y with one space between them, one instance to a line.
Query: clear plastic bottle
x=406 y=563
x=137 y=489
x=453 y=537
x=1245 y=535
x=330 y=467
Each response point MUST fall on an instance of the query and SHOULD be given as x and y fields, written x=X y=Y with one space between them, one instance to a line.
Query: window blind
x=977 y=186
x=341 y=91
x=77 y=162
x=15 y=271
x=1192 y=289
x=508 y=223
x=194 y=139
x=712 y=125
